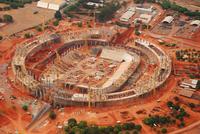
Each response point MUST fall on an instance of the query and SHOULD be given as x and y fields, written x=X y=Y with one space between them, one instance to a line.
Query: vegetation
x=137 y=32
x=7 y=18
x=157 y=120
x=151 y=1
x=58 y=15
x=52 y=115
x=25 y=107
x=164 y=130
x=38 y=28
x=166 y=4
x=176 y=113
x=28 y=35
x=83 y=128
x=144 y=26
x=189 y=55
x=14 y=4
x=138 y=1
x=198 y=85
x=107 y=12
x=74 y=7
x=56 y=23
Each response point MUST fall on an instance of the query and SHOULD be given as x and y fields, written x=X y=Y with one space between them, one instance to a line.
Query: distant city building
x=51 y=4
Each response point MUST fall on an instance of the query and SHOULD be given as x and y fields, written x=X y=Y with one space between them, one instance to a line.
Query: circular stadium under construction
x=84 y=67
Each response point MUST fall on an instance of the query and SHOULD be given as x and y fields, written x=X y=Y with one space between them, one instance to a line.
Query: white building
x=128 y=14
x=190 y=83
x=51 y=4
x=94 y=4
x=195 y=23
x=145 y=18
x=42 y=4
x=168 y=19
x=144 y=10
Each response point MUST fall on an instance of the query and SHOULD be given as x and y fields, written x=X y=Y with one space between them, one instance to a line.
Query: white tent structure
x=195 y=23
x=42 y=4
x=51 y=4
x=168 y=19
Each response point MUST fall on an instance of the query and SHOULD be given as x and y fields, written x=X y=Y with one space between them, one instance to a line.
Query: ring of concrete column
x=63 y=98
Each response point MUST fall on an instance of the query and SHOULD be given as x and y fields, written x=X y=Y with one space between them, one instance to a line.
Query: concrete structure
x=186 y=93
x=168 y=19
x=51 y=4
x=143 y=10
x=42 y=4
x=128 y=14
x=94 y=4
x=190 y=83
x=144 y=18
x=62 y=96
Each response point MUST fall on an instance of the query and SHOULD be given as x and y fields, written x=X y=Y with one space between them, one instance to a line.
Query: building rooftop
x=195 y=22
x=168 y=19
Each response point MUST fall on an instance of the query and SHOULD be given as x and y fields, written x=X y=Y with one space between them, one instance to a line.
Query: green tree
x=7 y=18
x=72 y=122
x=117 y=128
x=28 y=35
x=38 y=28
x=58 y=15
x=25 y=107
x=52 y=115
x=107 y=12
x=138 y=127
x=137 y=32
x=170 y=104
x=166 y=4
x=82 y=124
x=93 y=130
x=56 y=23
x=164 y=130
x=138 y=1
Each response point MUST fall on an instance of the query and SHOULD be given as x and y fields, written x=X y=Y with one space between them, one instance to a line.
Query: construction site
x=139 y=72
x=79 y=70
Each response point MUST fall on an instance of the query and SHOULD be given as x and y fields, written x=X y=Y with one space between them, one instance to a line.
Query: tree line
x=13 y=4
x=166 y=4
